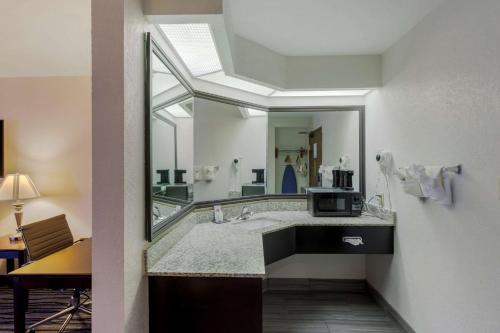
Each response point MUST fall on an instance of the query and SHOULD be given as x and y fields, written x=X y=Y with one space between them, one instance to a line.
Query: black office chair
x=42 y=239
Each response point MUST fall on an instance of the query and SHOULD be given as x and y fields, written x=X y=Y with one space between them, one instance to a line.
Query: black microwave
x=322 y=201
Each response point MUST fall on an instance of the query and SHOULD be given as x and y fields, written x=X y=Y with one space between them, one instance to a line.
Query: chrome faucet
x=245 y=213
x=156 y=212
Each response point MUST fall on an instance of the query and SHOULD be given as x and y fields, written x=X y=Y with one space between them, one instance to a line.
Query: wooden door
x=315 y=155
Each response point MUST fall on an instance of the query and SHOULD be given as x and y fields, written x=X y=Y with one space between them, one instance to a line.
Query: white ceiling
x=45 y=38
x=325 y=27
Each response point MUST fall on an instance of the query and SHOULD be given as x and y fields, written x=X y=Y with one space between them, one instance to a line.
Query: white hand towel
x=410 y=181
x=435 y=183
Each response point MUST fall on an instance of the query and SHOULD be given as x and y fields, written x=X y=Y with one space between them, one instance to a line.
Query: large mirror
x=306 y=147
x=204 y=147
x=169 y=140
x=229 y=150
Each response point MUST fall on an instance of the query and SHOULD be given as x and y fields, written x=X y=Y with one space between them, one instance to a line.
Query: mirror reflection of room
x=172 y=157
x=229 y=150
x=171 y=141
x=312 y=149
x=164 y=85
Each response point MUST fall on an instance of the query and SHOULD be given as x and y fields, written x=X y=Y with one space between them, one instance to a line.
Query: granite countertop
x=235 y=249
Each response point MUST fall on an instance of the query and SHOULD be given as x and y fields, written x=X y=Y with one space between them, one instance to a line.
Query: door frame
x=315 y=172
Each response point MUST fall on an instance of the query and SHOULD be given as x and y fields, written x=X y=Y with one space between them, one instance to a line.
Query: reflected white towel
x=326 y=175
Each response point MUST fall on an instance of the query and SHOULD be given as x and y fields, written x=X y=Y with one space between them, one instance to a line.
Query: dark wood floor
x=324 y=312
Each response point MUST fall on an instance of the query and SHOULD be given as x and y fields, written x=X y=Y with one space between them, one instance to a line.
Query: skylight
x=256 y=113
x=249 y=113
x=178 y=111
x=195 y=45
x=230 y=81
x=320 y=93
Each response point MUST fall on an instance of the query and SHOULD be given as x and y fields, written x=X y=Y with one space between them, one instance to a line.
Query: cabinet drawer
x=345 y=240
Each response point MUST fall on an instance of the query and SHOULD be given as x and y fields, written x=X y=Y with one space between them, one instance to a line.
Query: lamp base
x=15 y=237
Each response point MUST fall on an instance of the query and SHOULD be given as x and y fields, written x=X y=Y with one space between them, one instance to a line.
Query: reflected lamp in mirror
x=17 y=187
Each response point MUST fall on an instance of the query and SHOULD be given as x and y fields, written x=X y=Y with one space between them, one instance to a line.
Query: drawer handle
x=355 y=241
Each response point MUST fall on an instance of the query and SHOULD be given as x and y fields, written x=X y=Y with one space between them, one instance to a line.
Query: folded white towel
x=435 y=183
x=410 y=181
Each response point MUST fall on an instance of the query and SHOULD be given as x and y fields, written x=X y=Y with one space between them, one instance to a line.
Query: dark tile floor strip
x=324 y=312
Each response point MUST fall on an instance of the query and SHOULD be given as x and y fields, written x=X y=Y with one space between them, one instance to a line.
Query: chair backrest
x=46 y=237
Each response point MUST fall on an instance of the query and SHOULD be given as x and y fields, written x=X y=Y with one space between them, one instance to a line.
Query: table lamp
x=16 y=187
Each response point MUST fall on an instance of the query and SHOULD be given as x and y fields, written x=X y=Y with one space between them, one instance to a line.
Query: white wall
x=440 y=105
x=185 y=147
x=319 y=266
x=220 y=135
x=340 y=137
x=163 y=137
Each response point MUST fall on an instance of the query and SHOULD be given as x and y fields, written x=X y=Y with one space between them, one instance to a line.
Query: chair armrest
x=80 y=240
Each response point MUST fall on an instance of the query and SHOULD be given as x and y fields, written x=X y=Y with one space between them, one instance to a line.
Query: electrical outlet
x=380 y=199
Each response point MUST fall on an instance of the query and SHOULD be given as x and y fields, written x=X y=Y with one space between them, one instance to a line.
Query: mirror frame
x=152 y=47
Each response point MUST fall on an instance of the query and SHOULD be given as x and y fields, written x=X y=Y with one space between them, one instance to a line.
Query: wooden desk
x=67 y=269
x=12 y=250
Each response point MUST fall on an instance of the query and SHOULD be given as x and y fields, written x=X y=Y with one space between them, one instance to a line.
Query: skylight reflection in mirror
x=195 y=46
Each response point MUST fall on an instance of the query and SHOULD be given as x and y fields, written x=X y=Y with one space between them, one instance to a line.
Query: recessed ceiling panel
x=325 y=27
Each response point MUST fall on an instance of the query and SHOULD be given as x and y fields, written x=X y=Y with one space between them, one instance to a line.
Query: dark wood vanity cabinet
x=345 y=239
x=205 y=304
x=191 y=304
x=328 y=239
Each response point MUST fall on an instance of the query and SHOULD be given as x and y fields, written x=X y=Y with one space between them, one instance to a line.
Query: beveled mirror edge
x=152 y=232
x=152 y=47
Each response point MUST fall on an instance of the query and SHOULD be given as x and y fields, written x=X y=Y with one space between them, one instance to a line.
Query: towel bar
x=456 y=169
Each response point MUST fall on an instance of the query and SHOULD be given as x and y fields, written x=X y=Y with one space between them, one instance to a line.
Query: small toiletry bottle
x=218 y=214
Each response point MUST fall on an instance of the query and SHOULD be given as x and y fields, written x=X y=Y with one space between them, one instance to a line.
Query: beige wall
x=107 y=154
x=119 y=284
x=48 y=136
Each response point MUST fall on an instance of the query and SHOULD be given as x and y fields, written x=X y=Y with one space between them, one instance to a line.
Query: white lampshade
x=17 y=187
